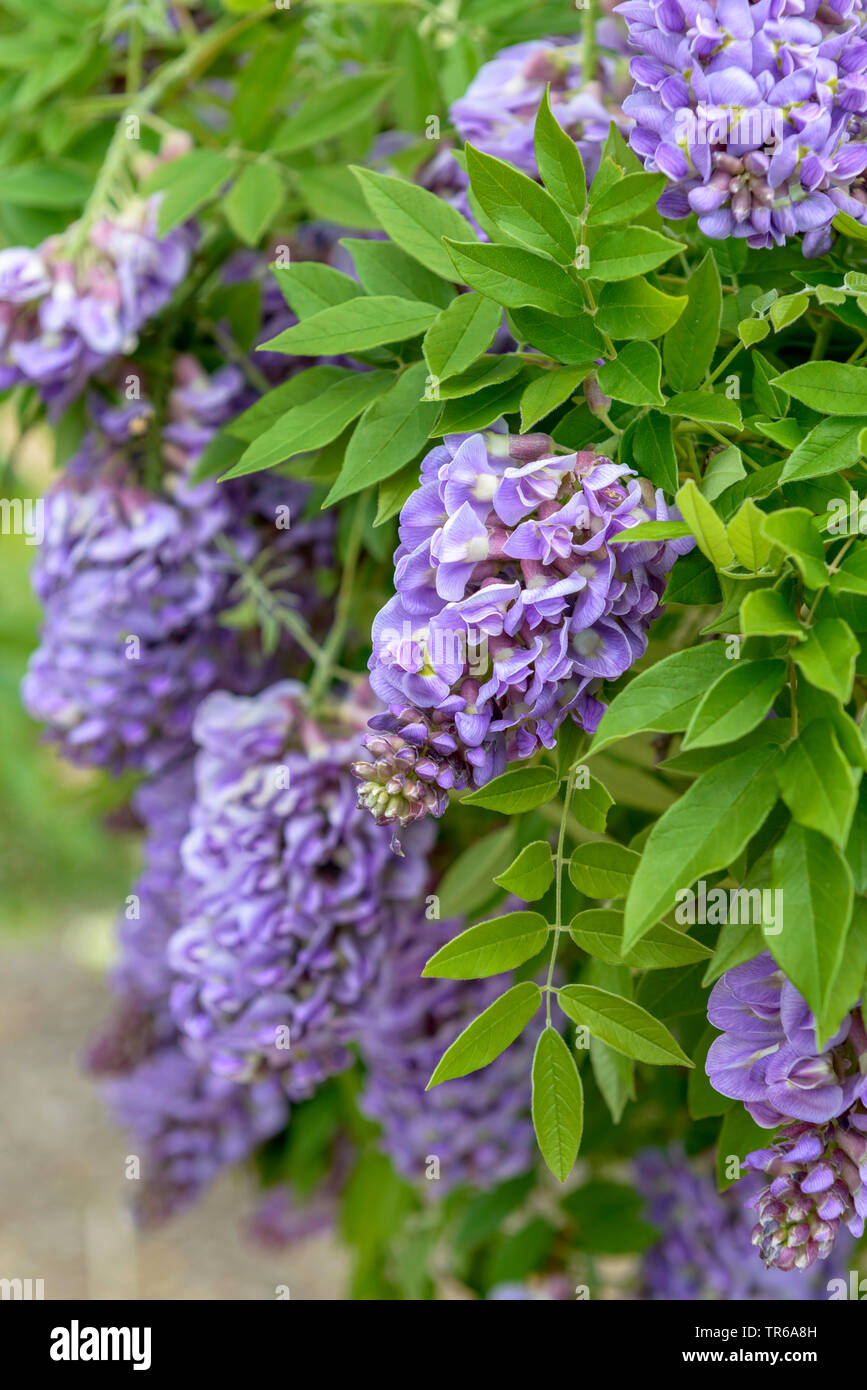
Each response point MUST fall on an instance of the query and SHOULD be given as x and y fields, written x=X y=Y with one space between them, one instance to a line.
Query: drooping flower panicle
x=293 y=893
x=512 y=608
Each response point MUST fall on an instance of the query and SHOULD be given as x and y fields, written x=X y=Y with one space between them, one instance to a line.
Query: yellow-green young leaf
x=532 y=873
x=591 y=804
x=701 y=832
x=752 y=549
x=827 y=658
x=817 y=783
x=489 y=1034
x=519 y=789
x=706 y=526
x=765 y=613
x=603 y=870
x=736 y=703
x=558 y=1103
x=599 y=931
x=786 y=310
x=623 y=1025
x=490 y=948
x=793 y=531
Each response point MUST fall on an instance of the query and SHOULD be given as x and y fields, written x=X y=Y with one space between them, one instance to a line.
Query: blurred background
x=65 y=867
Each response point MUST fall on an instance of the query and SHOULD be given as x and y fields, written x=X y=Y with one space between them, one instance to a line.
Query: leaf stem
x=558 y=892
x=331 y=647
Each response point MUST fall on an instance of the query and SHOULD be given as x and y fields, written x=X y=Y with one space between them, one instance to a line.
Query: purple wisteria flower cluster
x=67 y=311
x=767 y=1055
x=704 y=1250
x=473 y=1130
x=754 y=111
x=512 y=608
x=818 y=1184
x=136 y=582
x=292 y=895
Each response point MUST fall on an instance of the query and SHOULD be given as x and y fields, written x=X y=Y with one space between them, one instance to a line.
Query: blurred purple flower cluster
x=512 y=608
x=767 y=1055
x=292 y=894
x=754 y=111
x=472 y=1130
x=67 y=311
x=135 y=582
x=497 y=112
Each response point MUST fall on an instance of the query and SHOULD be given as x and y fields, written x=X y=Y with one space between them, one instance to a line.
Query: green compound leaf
x=489 y=1034
x=558 y=1103
x=636 y=309
x=355 y=326
x=599 y=931
x=559 y=161
x=689 y=346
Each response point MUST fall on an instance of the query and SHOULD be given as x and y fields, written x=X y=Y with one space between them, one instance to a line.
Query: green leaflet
x=703 y=831
x=490 y=948
x=663 y=697
x=489 y=1034
x=621 y=1024
x=558 y=1103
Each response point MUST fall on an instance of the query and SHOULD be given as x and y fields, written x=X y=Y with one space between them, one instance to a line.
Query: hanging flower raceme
x=475 y=1129
x=512 y=608
x=818 y=1184
x=189 y=1124
x=753 y=109
x=136 y=582
x=704 y=1249
x=767 y=1055
x=293 y=893
x=67 y=310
